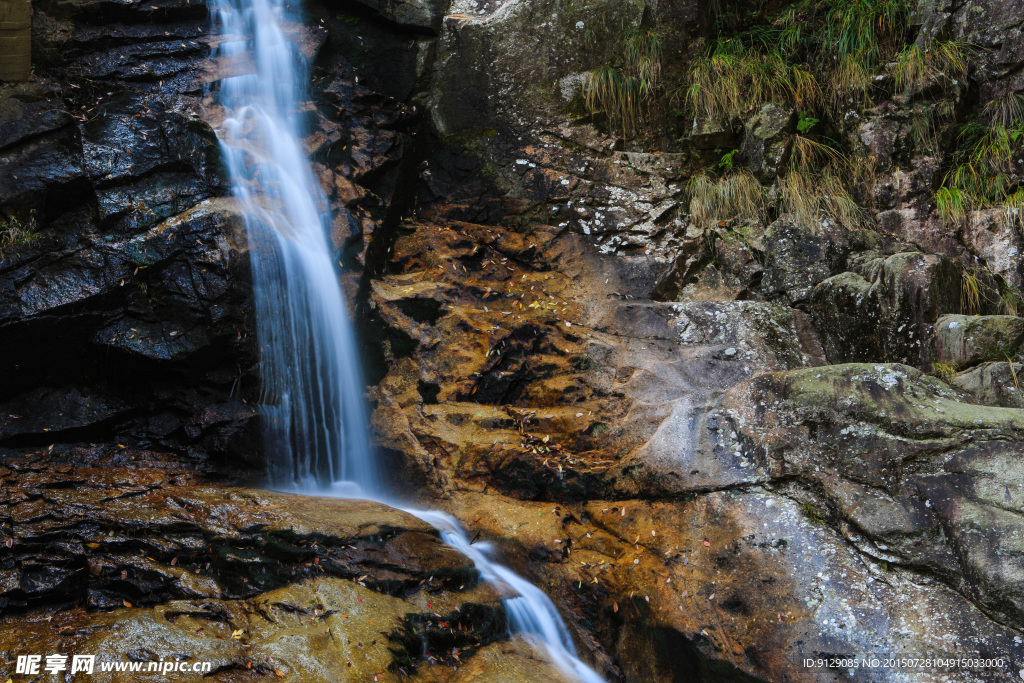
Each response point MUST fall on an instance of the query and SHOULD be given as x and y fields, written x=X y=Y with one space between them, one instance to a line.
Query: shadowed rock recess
x=705 y=315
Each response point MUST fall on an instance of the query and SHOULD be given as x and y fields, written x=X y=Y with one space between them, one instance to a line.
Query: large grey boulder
x=993 y=384
x=964 y=340
x=904 y=468
x=886 y=313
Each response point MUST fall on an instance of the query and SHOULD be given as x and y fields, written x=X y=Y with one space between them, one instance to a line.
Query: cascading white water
x=532 y=613
x=315 y=422
x=314 y=417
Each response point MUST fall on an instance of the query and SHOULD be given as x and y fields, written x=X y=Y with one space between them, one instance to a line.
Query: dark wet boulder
x=230 y=428
x=28 y=110
x=421 y=15
x=157 y=319
x=56 y=410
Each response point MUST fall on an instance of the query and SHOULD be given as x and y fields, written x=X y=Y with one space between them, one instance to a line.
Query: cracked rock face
x=714 y=445
x=694 y=473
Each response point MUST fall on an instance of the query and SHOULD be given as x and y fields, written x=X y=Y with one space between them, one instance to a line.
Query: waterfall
x=314 y=417
x=313 y=412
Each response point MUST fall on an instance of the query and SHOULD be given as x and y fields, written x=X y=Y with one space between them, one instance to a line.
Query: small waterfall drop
x=314 y=416
x=531 y=613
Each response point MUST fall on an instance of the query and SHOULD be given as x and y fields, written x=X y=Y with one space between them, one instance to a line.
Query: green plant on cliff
x=624 y=92
x=863 y=27
x=944 y=371
x=915 y=65
x=982 y=173
x=1009 y=300
x=812 y=514
x=817 y=186
x=727 y=161
x=852 y=40
x=1013 y=371
x=805 y=54
x=1005 y=109
x=15 y=232
x=1013 y=210
x=810 y=198
x=970 y=293
x=922 y=125
x=806 y=123
x=952 y=204
x=731 y=78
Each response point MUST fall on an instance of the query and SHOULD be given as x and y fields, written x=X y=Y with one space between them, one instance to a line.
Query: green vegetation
x=944 y=371
x=1003 y=111
x=812 y=514
x=768 y=55
x=810 y=198
x=806 y=123
x=15 y=232
x=806 y=55
x=1013 y=372
x=970 y=293
x=737 y=195
x=726 y=162
x=821 y=58
x=916 y=65
x=1013 y=209
x=816 y=187
x=980 y=176
x=731 y=78
x=625 y=91
x=1009 y=300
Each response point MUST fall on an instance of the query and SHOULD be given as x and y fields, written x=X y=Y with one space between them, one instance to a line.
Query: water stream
x=313 y=410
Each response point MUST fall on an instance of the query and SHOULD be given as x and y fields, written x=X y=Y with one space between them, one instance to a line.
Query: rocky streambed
x=142 y=562
x=722 y=447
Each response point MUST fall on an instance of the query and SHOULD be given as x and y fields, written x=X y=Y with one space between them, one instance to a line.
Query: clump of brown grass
x=737 y=195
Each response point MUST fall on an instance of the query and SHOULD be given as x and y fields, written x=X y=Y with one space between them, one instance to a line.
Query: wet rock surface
x=129 y=382
x=677 y=493
x=714 y=444
x=160 y=565
x=711 y=443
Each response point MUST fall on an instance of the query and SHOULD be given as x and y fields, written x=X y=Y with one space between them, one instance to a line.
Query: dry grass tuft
x=737 y=195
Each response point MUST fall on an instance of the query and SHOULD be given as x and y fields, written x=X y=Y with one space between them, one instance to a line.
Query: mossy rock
x=994 y=384
x=963 y=341
x=886 y=313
